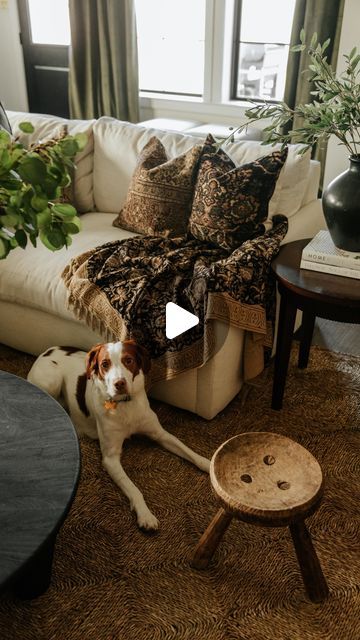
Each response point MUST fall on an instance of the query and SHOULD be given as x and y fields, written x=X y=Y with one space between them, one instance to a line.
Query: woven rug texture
x=113 y=582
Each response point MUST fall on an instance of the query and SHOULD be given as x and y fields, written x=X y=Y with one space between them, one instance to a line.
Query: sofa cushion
x=161 y=191
x=46 y=127
x=117 y=146
x=231 y=203
x=32 y=277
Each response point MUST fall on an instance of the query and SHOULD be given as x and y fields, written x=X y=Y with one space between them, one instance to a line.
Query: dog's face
x=118 y=367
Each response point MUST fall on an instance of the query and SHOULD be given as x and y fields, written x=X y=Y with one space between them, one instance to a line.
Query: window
x=261 y=48
x=199 y=58
x=49 y=22
x=171 y=38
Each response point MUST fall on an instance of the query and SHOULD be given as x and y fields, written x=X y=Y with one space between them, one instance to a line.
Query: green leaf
x=56 y=238
x=10 y=219
x=50 y=187
x=355 y=62
x=32 y=237
x=26 y=127
x=5 y=160
x=13 y=242
x=325 y=45
x=352 y=52
x=313 y=40
x=21 y=238
x=44 y=218
x=43 y=235
x=4 y=248
x=302 y=36
x=68 y=146
x=39 y=203
x=72 y=227
x=57 y=172
x=32 y=169
x=64 y=210
x=5 y=137
x=81 y=139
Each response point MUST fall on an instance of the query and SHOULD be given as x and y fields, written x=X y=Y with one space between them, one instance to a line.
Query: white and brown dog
x=104 y=393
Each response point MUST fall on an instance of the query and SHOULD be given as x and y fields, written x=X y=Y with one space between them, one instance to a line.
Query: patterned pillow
x=159 y=198
x=231 y=203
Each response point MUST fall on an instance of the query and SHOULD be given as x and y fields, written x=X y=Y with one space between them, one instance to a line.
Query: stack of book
x=322 y=255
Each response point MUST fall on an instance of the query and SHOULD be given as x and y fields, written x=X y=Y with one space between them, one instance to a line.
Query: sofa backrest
x=47 y=126
x=104 y=168
x=117 y=146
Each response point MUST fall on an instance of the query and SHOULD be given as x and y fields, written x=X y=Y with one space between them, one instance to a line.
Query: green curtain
x=325 y=18
x=103 y=66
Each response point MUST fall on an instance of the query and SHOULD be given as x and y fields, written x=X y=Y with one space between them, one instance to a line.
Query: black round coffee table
x=39 y=472
x=317 y=294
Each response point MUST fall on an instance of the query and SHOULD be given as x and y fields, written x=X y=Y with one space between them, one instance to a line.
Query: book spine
x=329 y=268
x=337 y=261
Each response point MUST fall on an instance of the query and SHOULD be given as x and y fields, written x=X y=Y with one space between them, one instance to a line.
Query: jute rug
x=110 y=581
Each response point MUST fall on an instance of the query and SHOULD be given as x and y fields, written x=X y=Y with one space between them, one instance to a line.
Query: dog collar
x=111 y=404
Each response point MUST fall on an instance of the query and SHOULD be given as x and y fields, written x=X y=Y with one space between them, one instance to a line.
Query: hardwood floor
x=337 y=336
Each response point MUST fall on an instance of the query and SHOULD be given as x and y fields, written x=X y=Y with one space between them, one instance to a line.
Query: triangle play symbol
x=178 y=320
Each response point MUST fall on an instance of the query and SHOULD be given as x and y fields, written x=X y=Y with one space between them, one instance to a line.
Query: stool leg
x=313 y=577
x=210 y=539
x=307 y=330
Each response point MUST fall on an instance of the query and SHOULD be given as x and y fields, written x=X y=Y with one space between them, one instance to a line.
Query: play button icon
x=178 y=320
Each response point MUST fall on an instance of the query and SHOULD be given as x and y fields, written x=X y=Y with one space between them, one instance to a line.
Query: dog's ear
x=144 y=358
x=92 y=365
x=141 y=355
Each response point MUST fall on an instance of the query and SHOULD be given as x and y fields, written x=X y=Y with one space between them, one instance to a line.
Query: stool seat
x=266 y=479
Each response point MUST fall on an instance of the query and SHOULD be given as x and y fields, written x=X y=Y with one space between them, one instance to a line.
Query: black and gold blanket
x=121 y=290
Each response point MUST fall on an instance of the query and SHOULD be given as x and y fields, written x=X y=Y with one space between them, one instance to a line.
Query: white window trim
x=214 y=106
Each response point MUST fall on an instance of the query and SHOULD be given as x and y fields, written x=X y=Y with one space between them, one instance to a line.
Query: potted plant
x=334 y=111
x=32 y=185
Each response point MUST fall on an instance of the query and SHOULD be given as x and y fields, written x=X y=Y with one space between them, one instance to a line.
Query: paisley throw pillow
x=160 y=194
x=231 y=203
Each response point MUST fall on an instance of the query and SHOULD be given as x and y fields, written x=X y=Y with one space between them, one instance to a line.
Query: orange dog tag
x=110 y=404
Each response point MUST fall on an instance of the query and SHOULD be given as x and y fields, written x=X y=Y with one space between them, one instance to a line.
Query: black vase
x=341 y=206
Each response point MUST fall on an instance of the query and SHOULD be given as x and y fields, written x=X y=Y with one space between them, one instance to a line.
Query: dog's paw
x=147 y=521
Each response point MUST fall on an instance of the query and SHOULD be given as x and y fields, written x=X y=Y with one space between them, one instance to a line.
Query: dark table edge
x=8 y=582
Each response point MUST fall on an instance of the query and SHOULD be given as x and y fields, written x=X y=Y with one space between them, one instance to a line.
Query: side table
x=317 y=294
x=39 y=472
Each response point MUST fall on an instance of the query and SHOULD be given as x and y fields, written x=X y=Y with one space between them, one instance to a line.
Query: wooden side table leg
x=307 y=329
x=210 y=539
x=313 y=577
x=283 y=347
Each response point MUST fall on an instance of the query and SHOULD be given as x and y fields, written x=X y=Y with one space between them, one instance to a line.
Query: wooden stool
x=272 y=481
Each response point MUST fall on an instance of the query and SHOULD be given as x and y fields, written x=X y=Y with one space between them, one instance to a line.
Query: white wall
x=337 y=156
x=13 y=92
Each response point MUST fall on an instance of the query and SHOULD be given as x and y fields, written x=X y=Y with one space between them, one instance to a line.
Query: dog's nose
x=120 y=385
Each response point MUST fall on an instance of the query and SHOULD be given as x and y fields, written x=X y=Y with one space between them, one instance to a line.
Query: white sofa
x=33 y=309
